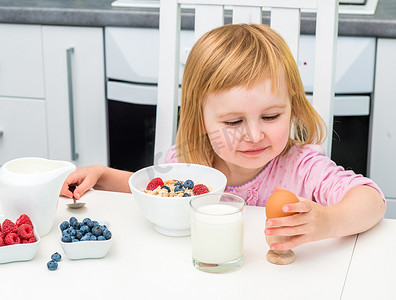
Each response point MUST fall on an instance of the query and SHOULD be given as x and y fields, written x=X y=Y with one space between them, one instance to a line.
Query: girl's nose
x=253 y=133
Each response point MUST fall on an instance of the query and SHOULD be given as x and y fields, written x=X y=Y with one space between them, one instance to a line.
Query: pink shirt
x=304 y=170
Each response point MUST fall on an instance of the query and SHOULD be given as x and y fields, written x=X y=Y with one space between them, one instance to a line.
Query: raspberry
x=30 y=240
x=154 y=183
x=25 y=231
x=200 y=189
x=1 y=242
x=12 y=238
x=2 y=235
x=8 y=227
x=23 y=219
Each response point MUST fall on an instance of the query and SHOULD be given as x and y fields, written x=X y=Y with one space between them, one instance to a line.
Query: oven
x=132 y=65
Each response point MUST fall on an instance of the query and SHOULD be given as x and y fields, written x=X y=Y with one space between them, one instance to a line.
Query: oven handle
x=69 y=54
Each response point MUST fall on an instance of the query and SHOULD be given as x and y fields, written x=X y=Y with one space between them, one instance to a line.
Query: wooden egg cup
x=279 y=257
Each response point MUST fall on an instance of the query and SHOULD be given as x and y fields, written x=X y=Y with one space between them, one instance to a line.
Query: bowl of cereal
x=163 y=193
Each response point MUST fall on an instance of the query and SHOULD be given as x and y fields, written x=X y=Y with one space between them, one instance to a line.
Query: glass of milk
x=217 y=232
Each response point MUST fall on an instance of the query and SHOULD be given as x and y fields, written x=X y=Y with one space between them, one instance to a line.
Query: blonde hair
x=240 y=55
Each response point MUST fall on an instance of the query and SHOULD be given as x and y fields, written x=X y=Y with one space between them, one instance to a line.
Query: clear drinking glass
x=217 y=232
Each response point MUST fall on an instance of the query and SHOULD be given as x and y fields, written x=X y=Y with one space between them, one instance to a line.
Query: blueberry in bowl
x=92 y=239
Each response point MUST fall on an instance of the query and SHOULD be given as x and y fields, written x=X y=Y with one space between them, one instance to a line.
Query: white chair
x=285 y=19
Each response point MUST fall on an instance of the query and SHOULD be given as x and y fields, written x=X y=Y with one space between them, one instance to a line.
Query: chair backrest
x=285 y=19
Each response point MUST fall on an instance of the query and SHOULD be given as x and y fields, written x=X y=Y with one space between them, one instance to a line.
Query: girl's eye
x=269 y=118
x=233 y=123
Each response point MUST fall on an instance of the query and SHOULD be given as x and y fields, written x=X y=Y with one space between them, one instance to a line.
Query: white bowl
x=19 y=252
x=171 y=215
x=87 y=249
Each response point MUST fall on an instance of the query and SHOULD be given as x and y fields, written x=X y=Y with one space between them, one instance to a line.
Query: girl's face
x=248 y=127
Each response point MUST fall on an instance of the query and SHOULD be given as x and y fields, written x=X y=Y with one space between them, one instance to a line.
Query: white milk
x=217 y=238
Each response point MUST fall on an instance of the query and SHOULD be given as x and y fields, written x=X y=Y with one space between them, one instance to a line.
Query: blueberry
x=64 y=225
x=78 y=235
x=101 y=238
x=178 y=183
x=93 y=238
x=73 y=232
x=179 y=188
x=89 y=234
x=56 y=256
x=75 y=240
x=85 y=238
x=188 y=184
x=65 y=232
x=186 y=195
x=97 y=230
x=84 y=229
x=85 y=221
x=72 y=220
x=66 y=238
x=107 y=234
x=166 y=188
x=90 y=224
x=52 y=265
x=95 y=223
x=76 y=225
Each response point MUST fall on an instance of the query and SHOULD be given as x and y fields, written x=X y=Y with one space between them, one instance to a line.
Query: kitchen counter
x=100 y=13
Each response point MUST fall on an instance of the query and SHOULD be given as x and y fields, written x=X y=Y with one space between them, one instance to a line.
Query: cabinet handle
x=69 y=54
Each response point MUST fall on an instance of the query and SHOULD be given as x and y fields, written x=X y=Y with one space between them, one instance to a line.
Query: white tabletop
x=143 y=264
x=372 y=274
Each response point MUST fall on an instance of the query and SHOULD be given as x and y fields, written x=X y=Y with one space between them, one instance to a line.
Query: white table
x=372 y=274
x=143 y=264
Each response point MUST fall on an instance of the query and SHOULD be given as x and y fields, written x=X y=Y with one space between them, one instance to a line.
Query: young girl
x=244 y=112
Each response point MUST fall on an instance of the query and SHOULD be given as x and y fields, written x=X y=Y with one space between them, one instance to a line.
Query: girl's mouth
x=253 y=152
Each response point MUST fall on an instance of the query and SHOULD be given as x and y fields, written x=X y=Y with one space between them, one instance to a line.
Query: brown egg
x=275 y=202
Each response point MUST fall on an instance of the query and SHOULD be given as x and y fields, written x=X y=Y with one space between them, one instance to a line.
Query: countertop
x=100 y=13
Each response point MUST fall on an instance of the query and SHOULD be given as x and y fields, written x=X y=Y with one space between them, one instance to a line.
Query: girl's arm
x=97 y=177
x=361 y=208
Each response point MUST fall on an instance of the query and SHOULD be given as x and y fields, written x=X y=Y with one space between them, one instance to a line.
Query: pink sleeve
x=323 y=180
x=171 y=156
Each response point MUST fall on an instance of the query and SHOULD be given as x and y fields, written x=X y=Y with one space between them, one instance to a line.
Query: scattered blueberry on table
x=56 y=257
x=52 y=265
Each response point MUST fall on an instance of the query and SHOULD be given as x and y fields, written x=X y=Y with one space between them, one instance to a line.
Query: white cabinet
x=21 y=62
x=81 y=85
x=22 y=128
x=44 y=72
x=383 y=140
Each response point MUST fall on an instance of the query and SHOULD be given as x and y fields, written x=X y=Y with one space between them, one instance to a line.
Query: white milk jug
x=31 y=186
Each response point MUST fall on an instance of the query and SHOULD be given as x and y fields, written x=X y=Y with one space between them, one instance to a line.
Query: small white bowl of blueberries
x=85 y=239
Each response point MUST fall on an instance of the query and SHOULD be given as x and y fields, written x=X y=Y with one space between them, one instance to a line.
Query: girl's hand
x=311 y=223
x=83 y=178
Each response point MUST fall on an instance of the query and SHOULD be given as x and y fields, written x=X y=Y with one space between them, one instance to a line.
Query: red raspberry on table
x=12 y=239
x=200 y=189
x=23 y=219
x=25 y=231
x=154 y=183
x=8 y=227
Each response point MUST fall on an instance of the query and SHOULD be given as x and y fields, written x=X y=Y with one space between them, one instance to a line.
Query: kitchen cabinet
x=383 y=139
x=52 y=93
x=22 y=128
x=21 y=62
x=83 y=83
